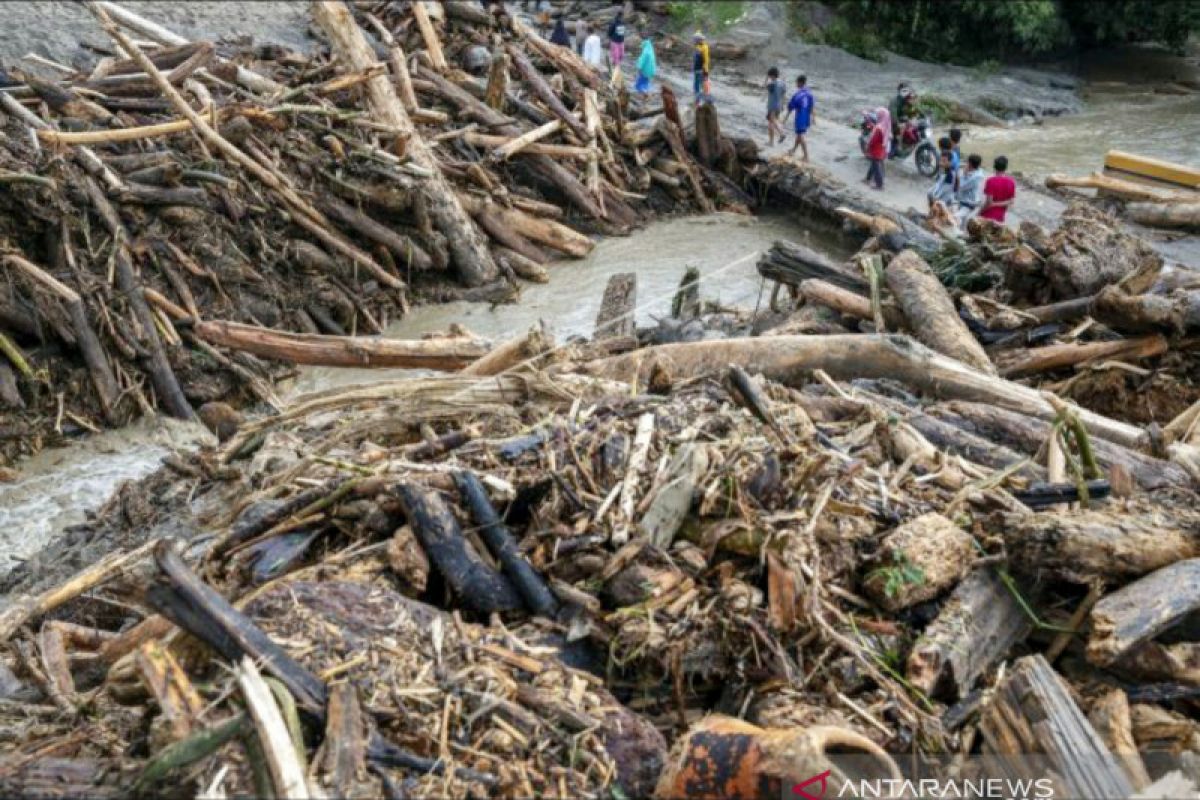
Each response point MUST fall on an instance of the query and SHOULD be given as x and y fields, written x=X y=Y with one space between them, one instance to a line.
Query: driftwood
x=343 y=351
x=513 y=353
x=791 y=263
x=1036 y=360
x=478 y=585
x=978 y=625
x=1142 y=610
x=1166 y=215
x=1117 y=187
x=931 y=313
x=616 y=315
x=1032 y=715
x=1085 y=545
x=531 y=586
x=1110 y=717
x=849 y=303
x=1177 y=313
x=467 y=244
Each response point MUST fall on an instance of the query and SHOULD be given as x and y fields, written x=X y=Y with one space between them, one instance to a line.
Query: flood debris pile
x=185 y=210
x=625 y=575
x=1140 y=202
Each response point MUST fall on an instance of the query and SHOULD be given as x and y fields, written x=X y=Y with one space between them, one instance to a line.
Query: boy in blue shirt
x=802 y=103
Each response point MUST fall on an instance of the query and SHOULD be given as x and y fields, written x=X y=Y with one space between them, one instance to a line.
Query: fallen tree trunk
x=1085 y=545
x=979 y=623
x=1143 y=609
x=342 y=351
x=538 y=229
x=513 y=353
x=467 y=244
x=789 y=359
x=931 y=313
x=790 y=262
x=1032 y=715
x=1166 y=215
x=537 y=84
x=479 y=586
x=1057 y=356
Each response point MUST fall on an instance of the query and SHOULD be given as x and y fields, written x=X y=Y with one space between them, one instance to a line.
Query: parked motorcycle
x=915 y=139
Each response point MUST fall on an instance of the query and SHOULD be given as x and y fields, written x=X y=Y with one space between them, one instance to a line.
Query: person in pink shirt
x=999 y=191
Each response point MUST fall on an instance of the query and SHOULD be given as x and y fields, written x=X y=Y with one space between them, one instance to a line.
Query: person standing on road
x=647 y=66
x=616 y=41
x=877 y=147
x=593 y=51
x=701 y=64
x=802 y=104
x=775 y=94
x=999 y=192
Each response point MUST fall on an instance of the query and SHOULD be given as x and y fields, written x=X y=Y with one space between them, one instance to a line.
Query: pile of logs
x=1147 y=205
x=183 y=211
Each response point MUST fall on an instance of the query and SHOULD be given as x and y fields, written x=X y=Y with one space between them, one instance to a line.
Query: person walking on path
x=802 y=103
x=701 y=63
x=560 y=36
x=616 y=41
x=999 y=192
x=775 y=94
x=877 y=147
x=647 y=67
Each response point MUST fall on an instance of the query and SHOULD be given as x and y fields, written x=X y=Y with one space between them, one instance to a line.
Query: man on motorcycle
x=902 y=108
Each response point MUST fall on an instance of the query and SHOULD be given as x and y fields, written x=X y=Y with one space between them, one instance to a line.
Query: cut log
x=342 y=351
x=497 y=85
x=532 y=147
x=1057 y=356
x=847 y=302
x=789 y=359
x=791 y=263
x=433 y=44
x=931 y=313
x=1116 y=187
x=1166 y=215
x=345 y=741
x=408 y=253
x=1032 y=715
x=1086 y=545
x=477 y=585
x=616 y=315
x=978 y=625
x=921 y=559
x=488 y=216
x=1142 y=610
x=1177 y=313
x=516 y=145
x=468 y=246
x=528 y=582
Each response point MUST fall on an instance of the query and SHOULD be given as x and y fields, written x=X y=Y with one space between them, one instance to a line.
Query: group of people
x=964 y=191
x=590 y=48
x=802 y=104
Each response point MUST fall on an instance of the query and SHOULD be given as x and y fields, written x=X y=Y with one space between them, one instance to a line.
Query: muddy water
x=724 y=247
x=59 y=486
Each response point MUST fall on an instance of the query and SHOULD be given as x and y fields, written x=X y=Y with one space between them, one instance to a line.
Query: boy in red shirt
x=877 y=147
x=999 y=191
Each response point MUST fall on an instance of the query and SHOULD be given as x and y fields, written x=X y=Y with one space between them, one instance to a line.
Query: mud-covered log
x=1058 y=356
x=615 y=317
x=1084 y=545
x=791 y=263
x=931 y=313
x=408 y=253
x=1166 y=215
x=1033 y=715
x=921 y=559
x=478 y=586
x=468 y=246
x=1142 y=610
x=978 y=625
x=1027 y=434
x=342 y=351
x=538 y=229
x=529 y=584
x=1117 y=187
x=1175 y=313
x=541 y=89
x=516 y=352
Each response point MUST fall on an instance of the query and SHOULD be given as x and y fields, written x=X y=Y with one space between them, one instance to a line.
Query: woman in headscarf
x=877 y=147
x=647 y=66
x=560 y=36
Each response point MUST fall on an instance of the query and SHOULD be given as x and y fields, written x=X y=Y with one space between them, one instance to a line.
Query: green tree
x=1170 y=22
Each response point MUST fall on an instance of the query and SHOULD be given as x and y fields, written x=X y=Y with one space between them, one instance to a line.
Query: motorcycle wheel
x=927 y=159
